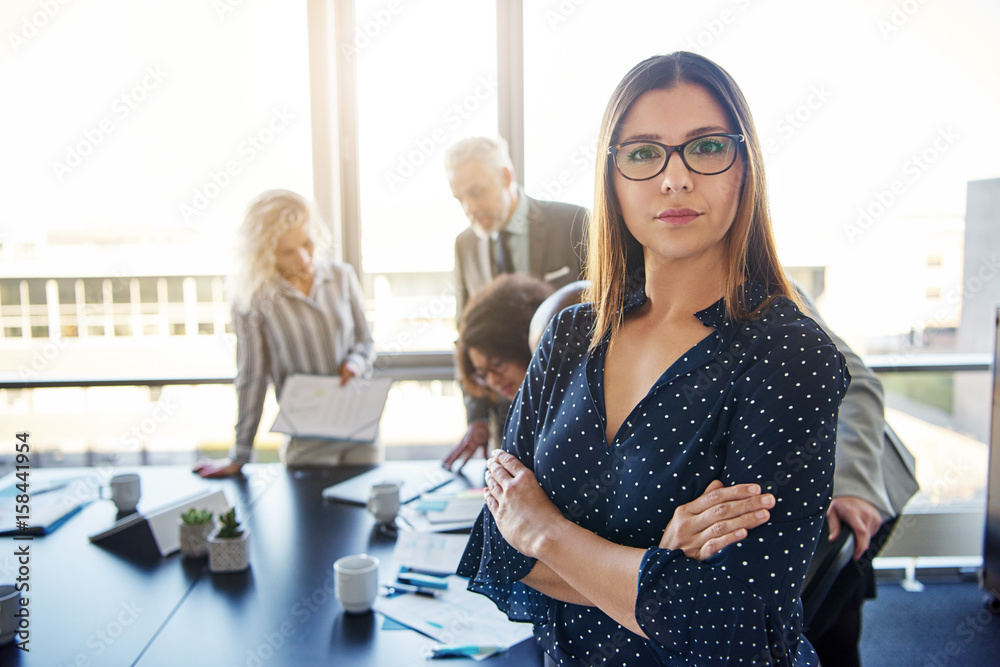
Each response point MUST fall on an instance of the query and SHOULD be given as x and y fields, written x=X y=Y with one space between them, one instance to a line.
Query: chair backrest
x=565 y=296
x=831 y=558
x=827 y=563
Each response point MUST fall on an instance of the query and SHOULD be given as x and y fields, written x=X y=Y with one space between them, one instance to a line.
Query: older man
x=509 y=232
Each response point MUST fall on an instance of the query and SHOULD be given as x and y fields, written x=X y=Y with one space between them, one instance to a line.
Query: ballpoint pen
x=422 y=580
x=463 y=650
x=393 y=590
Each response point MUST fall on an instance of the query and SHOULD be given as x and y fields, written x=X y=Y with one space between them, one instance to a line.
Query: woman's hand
x=476 y=437
x=218 y=468
x=717 y=518
x=347 y=372
x=523 y=513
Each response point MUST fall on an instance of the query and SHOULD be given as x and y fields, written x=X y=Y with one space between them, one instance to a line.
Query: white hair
x=490 y=151
x=270 y=215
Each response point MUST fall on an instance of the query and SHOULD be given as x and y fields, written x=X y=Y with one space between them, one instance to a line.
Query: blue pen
x=422 y=580
x=464 y=650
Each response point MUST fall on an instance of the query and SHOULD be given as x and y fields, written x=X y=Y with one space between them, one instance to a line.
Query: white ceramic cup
x=383 y=501
x=357 y=582
x=10 y=605
x=125 y=491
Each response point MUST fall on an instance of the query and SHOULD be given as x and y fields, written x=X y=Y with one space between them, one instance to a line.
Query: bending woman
x=669 y=458
x=493 y=350
x=292 y=314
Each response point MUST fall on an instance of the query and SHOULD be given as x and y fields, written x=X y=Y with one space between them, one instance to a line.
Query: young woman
x=291 y=315
x=493 y=350
x=668 y=460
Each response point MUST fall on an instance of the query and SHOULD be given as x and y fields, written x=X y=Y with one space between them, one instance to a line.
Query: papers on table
x=317 y=406
x=454 y=615
x=444 y=511
x=433 y=553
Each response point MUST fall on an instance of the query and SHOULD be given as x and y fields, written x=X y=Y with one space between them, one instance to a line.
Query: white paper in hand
x=317 y=406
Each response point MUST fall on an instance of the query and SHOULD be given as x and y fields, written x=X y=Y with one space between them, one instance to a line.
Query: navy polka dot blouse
x=752 y=402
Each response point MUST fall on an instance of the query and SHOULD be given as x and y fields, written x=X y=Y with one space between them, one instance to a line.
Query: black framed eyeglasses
x=707 y=155
x=494 y=365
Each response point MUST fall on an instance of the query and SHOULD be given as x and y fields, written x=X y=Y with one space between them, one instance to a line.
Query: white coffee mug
x=356 y=582
x=10 y=607
x=125 y=491
x=383 y=501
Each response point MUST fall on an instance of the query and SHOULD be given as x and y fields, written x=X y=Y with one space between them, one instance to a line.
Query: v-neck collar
x=699 y=354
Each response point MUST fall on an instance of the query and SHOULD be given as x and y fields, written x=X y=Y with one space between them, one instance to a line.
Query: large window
x=427 y=77
x=134 y=136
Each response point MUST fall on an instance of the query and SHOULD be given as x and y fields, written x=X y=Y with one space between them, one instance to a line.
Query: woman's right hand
x=717 y=518
x=476 y=438
x=217 y=468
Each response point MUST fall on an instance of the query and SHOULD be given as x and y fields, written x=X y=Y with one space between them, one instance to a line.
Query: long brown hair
x=615 y=267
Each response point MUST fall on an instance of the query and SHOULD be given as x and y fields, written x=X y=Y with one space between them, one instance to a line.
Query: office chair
x=828 y=562
x=565 y=296
x=831 y=560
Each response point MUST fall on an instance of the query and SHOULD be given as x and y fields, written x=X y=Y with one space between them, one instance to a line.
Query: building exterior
x=980 y=296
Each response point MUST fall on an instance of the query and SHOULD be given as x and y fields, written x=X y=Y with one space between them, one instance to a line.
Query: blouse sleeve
x=781 y=435
x=495 y=568
x=252 y=364
x=361 y=351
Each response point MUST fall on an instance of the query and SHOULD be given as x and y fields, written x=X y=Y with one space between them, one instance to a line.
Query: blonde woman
x=292 y=314
x=669 y=458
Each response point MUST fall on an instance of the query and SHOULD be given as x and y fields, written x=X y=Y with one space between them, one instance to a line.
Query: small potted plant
x=195 y=526
x=229 y=548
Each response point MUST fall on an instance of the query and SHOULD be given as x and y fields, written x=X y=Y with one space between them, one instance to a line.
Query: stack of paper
x=442 y=511
x=453 y=616
x=433 y=553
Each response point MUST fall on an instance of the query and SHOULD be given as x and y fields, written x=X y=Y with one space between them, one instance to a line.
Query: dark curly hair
x=496 y=321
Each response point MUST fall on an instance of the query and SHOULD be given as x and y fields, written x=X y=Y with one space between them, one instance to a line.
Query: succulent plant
x=230 y=527
x=195 y=517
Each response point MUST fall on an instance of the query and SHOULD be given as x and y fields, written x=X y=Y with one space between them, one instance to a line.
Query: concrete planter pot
x=194 y=538
x=229 y=554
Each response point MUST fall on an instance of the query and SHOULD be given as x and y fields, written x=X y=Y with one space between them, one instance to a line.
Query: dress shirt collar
x=323 y=274
x=518 y=223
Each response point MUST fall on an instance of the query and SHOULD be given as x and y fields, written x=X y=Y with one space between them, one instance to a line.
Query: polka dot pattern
x=752 y=402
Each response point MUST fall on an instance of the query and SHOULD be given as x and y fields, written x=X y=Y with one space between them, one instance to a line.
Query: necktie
x=501 y=254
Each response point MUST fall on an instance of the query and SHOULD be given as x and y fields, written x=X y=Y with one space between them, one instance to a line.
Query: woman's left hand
x=522 y=511
x=346 y=373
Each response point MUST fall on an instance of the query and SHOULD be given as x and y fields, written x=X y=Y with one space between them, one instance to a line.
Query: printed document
x=317 y=406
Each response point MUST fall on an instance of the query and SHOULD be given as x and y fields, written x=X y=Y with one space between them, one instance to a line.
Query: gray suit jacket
x=557 y=251
x=556 y=233
x=871 y=463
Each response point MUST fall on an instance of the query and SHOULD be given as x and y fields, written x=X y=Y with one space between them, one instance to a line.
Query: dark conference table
x=94 y=606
